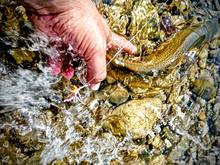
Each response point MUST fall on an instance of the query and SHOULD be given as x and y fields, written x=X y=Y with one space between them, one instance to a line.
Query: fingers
x=118 y=42
x=68 y=72
x=96 y=68
x=57 y=67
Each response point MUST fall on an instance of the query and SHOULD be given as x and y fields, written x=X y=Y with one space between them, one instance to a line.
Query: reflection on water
x=38 y=127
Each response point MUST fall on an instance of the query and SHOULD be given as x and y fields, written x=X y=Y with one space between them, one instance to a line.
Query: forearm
x=47 y=6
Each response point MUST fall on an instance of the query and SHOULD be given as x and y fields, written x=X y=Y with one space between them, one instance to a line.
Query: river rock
x=136 y=117
x=179 y=149
x=22 y=55
x=217 y=123
x=202 y=116
x=214 y=44
x=158 y=160
x=204 y=89
x=157 y=142
x=119 y=95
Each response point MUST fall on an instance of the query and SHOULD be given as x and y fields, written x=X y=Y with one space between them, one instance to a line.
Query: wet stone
x=214 y=56
x=128 y=17
x=204 y=89
x=207 y=75
x=217 y=107
x=116 y=125
x=157 y=142
x=202 y=116
x=119 y=95
x=167 y=143
x=214 y=44
x=158 y=160
x=110 y=79
x=202 y=63
x=179 y=149
x=136 y=117
x=203 y=53
x=22 y=55
x=201 y=102
x=131 y=156
x=217 y=124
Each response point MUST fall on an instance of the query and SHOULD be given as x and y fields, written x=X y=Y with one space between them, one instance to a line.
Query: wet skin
x=77 y=22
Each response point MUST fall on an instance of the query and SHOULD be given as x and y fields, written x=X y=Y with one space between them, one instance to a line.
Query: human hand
x=87 y=32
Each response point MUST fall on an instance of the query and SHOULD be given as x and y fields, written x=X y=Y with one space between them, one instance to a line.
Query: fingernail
x=94 y=87
x=68 y=73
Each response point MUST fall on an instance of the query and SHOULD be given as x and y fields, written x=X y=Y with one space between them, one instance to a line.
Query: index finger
x=116 y=41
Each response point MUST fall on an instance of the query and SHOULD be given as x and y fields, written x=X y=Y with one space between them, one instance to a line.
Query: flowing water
x=37 y=126
x=27 y=95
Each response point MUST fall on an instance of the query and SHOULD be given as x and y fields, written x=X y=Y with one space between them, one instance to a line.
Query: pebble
x=136 y=117
x=202 y=116
x=179 y=149
x=202 y=102
x=167 y=143
x=204 y=89
x=119 y=95
x=22 y=55
x=157 y=142
x=110 y=79
x=93 y=104
x=158 y=160
x=214 y=44
x=217 y=124
x=214 y=52
x=217 y=107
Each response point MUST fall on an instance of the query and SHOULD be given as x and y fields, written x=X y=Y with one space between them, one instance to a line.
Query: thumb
x=117 y=42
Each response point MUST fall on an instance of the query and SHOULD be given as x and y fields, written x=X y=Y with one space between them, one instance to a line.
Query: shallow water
x=38 y=127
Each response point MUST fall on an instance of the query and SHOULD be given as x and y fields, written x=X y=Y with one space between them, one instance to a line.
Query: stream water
x=37 y=126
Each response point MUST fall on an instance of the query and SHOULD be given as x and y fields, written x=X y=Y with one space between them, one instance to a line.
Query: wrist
x=47 y=7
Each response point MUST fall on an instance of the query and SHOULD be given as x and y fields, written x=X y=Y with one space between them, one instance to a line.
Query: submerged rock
x=202 y=116
x=167 y=25
x=129 y=18
x=157 y=142
x=136 y=117
x=204 y=89
x=21 y=56
x=119 y=95
x=214 y=44
x=179 y=149
x=71 y=131
x=158 y=160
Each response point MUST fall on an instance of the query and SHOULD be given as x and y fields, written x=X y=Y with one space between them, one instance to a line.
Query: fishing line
x=77 y=94
x=88 y=84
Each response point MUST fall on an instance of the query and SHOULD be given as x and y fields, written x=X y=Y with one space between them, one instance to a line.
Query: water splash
x=94 y=149
x=26 y=89
x=27 y=92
